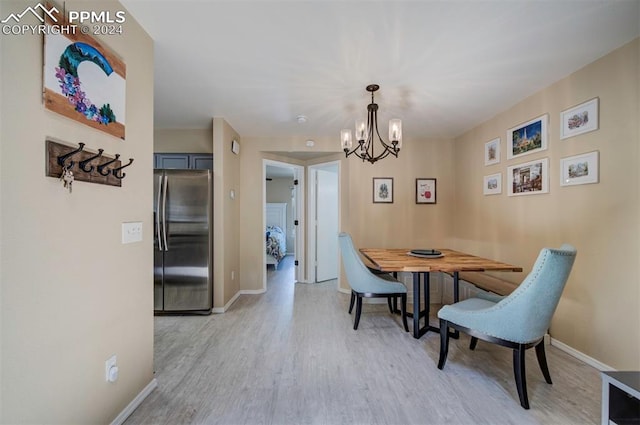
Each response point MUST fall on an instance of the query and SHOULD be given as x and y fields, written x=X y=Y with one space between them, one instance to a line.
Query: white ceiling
x=442 y=66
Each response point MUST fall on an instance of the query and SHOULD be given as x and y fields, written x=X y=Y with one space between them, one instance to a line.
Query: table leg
x=456 y=297
x=418 y=330
x=416 y=305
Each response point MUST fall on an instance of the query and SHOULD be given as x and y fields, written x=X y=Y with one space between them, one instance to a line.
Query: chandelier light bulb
x=345 y=136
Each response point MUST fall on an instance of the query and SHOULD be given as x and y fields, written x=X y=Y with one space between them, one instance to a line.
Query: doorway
x=282 y=188
x=324 y=221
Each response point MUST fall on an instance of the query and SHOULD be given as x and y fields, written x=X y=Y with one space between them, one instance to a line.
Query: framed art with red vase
x=425 y=191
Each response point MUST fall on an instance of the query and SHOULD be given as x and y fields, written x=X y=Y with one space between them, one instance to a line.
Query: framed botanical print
x=425 y=191
x=383 y=190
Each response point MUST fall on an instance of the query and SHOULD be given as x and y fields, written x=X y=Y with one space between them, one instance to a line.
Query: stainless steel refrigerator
x=183 y=245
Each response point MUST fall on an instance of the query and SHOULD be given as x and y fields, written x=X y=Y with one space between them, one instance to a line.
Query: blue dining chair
x=518 y=321
x=368 y=285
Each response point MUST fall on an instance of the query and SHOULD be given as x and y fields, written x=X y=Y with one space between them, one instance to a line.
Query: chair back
x=359 y=277
x=532 y=305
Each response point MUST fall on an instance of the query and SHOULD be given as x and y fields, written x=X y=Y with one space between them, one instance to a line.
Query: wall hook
x=63 y=158
x=117 y=171
x=83 y=164
x=102 y=166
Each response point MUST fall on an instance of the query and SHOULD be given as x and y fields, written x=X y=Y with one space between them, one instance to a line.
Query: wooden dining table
x=394 y=260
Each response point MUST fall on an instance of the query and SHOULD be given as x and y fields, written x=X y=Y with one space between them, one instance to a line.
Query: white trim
x=581 y=356
x=344 y=291
x=133 y=405
x=235 y=297
x=312 y=179
x=227 y=305
x=252 y=291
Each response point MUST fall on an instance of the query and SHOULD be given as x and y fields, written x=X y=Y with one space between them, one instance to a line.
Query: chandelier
x=365 y=135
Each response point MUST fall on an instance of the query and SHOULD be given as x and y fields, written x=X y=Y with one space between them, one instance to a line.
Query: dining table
x=395 y=260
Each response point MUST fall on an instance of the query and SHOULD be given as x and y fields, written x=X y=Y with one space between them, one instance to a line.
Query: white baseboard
x=252 y=291
x=235 y=297
x=119 y=420
x=581 y=356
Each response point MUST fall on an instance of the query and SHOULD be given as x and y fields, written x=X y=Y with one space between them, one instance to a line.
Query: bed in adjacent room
x=275 y=233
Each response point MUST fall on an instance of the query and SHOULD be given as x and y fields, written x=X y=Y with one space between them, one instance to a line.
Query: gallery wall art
x=579 y=119
x=579 y=169
x=492 y=152
x=529 y=178
x=527 y=138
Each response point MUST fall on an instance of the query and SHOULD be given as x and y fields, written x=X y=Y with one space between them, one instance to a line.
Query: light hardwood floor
x=291 y=356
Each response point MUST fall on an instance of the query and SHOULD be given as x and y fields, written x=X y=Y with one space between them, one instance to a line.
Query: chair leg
x=353 y=298
x=444 y=343
x=519 y=372
x=358 y=311
x=542 y=361
x=395 y=304
x=473 y=343
x=403 y=306
x=390 y=304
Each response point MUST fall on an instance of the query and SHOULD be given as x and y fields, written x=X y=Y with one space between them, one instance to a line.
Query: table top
x=399 y=260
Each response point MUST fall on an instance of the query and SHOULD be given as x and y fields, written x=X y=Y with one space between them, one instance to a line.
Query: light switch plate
x=131 y=232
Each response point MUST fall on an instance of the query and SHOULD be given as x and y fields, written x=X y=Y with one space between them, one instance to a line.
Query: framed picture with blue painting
x=83 y=80
x=528 y=137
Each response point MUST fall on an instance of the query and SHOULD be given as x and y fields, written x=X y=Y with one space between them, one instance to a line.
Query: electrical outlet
x=111 y=369
x=131 y=232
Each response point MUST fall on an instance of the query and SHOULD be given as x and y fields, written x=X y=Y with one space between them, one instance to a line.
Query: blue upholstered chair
x=366 y=284
x=518 y=321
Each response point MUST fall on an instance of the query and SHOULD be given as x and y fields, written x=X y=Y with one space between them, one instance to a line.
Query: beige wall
x=599 y=313
x=226 y=213
x=279 y=190
x=182 y=140
x=400 y=224
x=72 y=294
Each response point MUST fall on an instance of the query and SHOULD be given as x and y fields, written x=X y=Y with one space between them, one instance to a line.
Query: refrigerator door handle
x=158 y=230
x=164 y=211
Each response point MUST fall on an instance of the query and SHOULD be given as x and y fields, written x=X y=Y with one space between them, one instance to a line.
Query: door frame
x=299 y=253
x=311 y=222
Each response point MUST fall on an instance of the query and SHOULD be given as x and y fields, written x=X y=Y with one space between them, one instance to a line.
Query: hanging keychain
x=67 y=178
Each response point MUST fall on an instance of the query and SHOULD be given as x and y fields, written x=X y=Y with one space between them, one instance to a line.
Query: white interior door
x=327 y=225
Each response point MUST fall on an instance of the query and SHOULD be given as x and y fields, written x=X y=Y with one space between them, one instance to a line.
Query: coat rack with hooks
x=87 y=166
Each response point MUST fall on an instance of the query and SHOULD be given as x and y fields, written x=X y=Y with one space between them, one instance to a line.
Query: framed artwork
x=529 y=178
x=492 y=184
x=527 y=138
x=84 y=81
x=579 y=169
x=579 y=119
x=492 y=152
x=383 y=190
x=425 y=191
